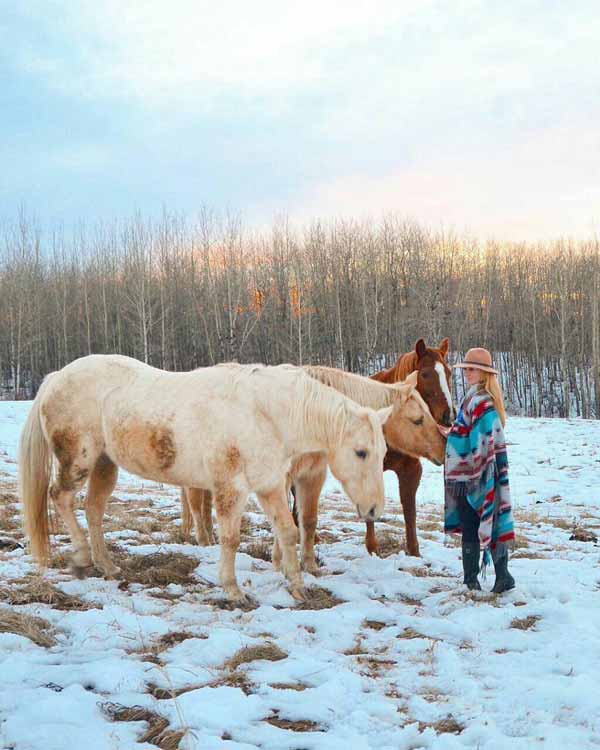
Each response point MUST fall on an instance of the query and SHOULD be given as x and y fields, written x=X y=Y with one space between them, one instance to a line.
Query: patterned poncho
x=477 y=464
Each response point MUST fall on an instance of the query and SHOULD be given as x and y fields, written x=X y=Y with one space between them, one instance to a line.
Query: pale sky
x=478 y=116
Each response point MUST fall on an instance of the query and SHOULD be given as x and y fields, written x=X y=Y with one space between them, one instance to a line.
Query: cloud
x=540 y=189
x=470 y=113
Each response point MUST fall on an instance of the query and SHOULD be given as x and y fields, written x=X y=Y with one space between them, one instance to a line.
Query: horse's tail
x=186 y=516
x=35 y=472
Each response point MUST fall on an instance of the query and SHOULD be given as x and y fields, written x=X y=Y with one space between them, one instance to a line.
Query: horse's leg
x=371 y=538
x=308 y=490
x=229 y=504
x=275 y=506
x=102 y=482
x=409 y=472
x=276 y=551
x=390 y=460
x=200 y=506
x=75 y=464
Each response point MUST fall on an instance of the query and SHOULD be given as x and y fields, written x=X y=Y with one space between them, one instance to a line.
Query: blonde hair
x=489 y=382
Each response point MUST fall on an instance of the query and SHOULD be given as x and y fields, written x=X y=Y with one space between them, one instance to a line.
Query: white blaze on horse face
x=439 y=367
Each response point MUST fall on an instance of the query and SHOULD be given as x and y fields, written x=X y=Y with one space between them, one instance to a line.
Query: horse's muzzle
x=371 y=515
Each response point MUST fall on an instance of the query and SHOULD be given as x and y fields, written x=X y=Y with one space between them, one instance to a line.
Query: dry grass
x=319 y=598
x=559 y=522
x=168 y=640
x=374 y=668
x=9 y=519
x=157 y=734
x=261 y=550
x=447 y=725
x=409 y=633
x=432 y=695
x=298 y=725
x=145 y=525
x=246 y=527
x=60 y=560
x=411 y=600
x=226 y=604
x=357 y=649
x=235 y=679
x=431 y=523
x=36 y=629
x=238 y=680
x=156 y=569
x=39 y=591
x=582 y=535
x=525 y=623
x=264 y=651
x=297 y=686
x=328 y=537
x=374 y=624
x=520 y=541
x=165 y=694
x=8 y=544
x=388 y=543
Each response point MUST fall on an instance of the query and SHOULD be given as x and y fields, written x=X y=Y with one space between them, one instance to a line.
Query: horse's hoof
x=236 y=595
x=79 y=571
x=312 y=568
x=299 y=593
x=111 y=573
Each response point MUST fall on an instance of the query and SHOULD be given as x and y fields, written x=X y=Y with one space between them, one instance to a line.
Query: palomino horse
x=433 y=384
x=409 y=428
x=233 y=429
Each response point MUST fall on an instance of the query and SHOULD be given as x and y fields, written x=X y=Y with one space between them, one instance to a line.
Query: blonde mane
x=363 y=391
x=315 y=406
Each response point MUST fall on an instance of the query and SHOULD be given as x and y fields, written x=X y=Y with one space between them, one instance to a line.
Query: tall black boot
x=504 y=580
x=470 y=560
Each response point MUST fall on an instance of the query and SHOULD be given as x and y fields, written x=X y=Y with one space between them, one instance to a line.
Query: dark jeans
x=469 y=520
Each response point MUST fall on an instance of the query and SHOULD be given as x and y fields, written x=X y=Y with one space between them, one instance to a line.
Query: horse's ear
x=420 y=348
x=443 y=347
x=412 y=380
x=384 y=414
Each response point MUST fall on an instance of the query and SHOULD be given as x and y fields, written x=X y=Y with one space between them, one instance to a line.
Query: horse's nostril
x=371 y=513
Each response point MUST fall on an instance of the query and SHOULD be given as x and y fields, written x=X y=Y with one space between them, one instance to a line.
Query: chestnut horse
x=433 y=384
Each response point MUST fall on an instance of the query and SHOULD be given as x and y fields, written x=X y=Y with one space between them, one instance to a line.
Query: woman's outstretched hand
x=443 y=430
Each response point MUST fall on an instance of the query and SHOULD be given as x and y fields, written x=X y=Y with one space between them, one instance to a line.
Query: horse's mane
x=363 y=391
x=314 y=407
x=406 y=364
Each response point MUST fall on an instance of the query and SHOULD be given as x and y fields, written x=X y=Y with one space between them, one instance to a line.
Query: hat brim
x=475 y=366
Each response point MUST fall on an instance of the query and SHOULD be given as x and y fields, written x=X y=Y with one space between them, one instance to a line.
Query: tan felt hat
x=478 y=358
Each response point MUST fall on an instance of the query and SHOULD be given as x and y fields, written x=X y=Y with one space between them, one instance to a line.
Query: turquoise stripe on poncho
x=477 y=463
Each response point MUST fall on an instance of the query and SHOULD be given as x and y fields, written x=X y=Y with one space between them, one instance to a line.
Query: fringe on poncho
x=476 y=463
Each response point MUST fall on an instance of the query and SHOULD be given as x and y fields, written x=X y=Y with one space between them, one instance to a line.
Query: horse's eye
x=425 y=374
x=361 y=454
x=418 y=421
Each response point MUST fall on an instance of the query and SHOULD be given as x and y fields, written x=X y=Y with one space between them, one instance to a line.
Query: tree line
x=181 y=293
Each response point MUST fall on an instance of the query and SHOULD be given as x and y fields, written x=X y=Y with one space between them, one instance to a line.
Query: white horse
x=409 y=429
x=231 y=429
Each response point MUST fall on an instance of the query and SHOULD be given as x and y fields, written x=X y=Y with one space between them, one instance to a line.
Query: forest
x=183 y=292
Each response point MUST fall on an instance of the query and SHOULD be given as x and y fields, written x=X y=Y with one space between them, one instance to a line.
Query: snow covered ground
x=407 y=659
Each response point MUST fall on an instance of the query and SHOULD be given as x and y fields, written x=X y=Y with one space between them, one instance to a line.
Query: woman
x=477 y=496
